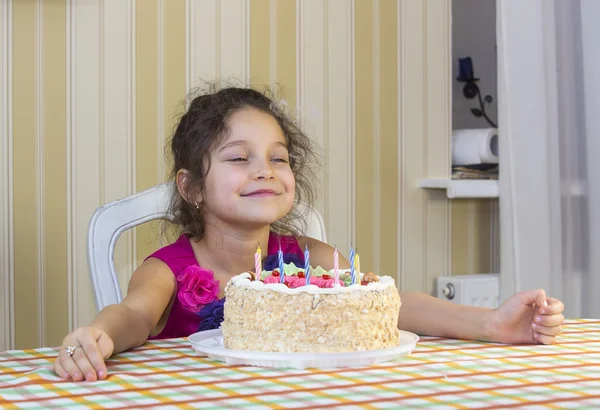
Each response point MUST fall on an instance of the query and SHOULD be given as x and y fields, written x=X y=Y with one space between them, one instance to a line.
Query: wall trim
x=339 y=131
x=401 y=148
x=131 y=123
x=495 y=236
x=39 y=165
x=326 y=120
x=116 y=118
x=352 y=114
x=160 y=114
x=69 y=145
x=299 y=59
x=189 y=44
x=376 y=138
x=472 y=236
x=448 y=140
x=233 y=40
x=7 y=329
x=84 y=121
x=313 y=95
x=203 y=51
x=102 y=98
x=246 y=60
x=218 y=39
x=272 y=44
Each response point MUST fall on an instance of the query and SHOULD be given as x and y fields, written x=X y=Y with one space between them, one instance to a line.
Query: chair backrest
x=110 y=220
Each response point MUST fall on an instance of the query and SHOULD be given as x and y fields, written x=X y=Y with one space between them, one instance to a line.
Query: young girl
x=240 y=166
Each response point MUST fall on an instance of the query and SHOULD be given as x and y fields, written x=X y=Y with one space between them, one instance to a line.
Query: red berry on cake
x=301 y=274
x=275 y=273
x=326 y=277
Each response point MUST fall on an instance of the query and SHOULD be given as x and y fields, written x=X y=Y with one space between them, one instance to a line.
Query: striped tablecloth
x=440 y=373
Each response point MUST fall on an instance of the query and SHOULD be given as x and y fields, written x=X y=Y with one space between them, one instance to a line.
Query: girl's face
x=250 y=181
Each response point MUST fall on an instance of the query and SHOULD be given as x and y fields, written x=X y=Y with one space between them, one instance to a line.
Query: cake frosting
x=325 y=316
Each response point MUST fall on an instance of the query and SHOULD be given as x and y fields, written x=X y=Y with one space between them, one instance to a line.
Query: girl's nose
x=264 y=170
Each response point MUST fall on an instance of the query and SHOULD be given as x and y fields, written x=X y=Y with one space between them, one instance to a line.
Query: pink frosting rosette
x=271 y=279
x=197 y=287
x=296 y=282
x=324 y=283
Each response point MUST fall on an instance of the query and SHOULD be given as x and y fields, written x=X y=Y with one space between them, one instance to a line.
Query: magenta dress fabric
x=180 y=254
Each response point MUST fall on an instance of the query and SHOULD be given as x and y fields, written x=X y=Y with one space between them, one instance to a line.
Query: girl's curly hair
x=204 y=126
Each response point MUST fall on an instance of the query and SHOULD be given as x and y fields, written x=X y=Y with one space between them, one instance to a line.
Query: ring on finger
x=71 y=350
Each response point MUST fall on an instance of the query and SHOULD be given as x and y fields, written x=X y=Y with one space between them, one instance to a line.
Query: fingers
x=544 y=339
x=105 y=350
x=60 y=371
x=87 y=359
x=554 y=307
x=534 y=297
x=95 y=356
x=540 y=299
x=83 y=361
x=547 y=330
x=69 y=365
x=549 y=321
x=547 y=326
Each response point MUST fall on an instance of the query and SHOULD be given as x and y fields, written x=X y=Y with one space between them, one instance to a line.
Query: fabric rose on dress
x=211 y=315
x=197 y=287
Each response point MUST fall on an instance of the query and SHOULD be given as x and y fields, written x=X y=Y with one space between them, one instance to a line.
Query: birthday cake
x=331 y=314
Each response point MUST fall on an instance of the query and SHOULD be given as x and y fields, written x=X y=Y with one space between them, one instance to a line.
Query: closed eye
x=239 y=159
x=279 y=160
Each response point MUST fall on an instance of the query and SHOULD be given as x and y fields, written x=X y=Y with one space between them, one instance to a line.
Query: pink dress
x=180 y=254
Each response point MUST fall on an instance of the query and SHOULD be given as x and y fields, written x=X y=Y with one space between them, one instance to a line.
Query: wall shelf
x=463 y=188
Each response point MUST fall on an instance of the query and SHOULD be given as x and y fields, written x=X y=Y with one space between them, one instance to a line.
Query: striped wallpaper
x=89 y=90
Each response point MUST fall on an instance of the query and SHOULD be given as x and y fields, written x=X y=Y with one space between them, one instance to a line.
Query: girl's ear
x=188 y=193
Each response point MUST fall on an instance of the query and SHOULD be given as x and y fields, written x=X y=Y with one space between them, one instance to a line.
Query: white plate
x=210 y=343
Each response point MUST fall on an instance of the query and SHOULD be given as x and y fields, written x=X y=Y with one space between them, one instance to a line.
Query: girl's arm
x=420 y=313
x=526 y=317
x=130 y=322
x=118 y=327
x=427 y=315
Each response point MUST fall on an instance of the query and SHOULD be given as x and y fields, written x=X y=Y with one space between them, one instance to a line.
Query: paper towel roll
x=475 y=146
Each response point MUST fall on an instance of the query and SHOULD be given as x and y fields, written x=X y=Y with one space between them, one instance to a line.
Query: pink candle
x=336 y=266
x=257 y=263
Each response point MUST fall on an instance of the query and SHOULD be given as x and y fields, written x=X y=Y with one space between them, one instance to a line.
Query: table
x=440 y=373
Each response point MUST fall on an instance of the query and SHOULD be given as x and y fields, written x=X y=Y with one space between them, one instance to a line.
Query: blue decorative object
x=211 y=315
x=272 y=261
x=471 y=90
x=465 y=69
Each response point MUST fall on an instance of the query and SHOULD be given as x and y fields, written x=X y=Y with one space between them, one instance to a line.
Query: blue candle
x=307 y=265
x=280 y=257
x=352 y=269
x=465 y=69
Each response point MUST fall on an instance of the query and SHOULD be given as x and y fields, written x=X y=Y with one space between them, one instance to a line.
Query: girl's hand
x=87 y=362
x=528 y=317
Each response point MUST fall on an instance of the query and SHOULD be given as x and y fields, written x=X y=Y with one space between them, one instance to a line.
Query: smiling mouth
x=261 y=193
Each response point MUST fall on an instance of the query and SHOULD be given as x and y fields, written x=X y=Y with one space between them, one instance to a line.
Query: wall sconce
x=471 y=89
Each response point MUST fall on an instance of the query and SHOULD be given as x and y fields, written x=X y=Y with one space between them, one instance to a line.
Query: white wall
x=474 y=35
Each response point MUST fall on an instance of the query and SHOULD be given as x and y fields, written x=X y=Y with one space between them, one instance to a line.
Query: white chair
x=110 y=220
